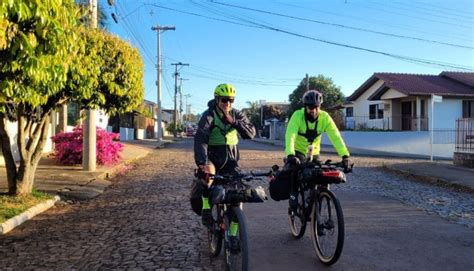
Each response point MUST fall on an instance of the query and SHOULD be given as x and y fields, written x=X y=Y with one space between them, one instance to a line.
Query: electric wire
x=343 y=26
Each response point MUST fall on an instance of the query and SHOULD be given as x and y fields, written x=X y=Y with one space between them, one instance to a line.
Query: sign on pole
x=434 y=99
x=437 y=99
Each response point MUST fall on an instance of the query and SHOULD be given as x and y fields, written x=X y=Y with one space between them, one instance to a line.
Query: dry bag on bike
x=280 y=187
x=197 y=189
x=235 y=194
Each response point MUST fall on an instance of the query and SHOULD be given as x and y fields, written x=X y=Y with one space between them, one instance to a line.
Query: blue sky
x=228 y=44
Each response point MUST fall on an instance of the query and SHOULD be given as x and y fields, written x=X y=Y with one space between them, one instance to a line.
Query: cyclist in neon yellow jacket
x=304 y=129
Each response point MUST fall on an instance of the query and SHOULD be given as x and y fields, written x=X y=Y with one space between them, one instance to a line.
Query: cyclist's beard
x=310 y=117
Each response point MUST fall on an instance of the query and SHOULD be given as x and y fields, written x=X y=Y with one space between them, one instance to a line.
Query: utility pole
x=158 y=76
x=307 y=82
x=89 y=132
x=181 y=98
x=187 y=107
x=175 y=117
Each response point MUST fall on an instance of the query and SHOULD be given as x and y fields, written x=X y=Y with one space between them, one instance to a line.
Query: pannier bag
x=197 y=189
x=280 y=187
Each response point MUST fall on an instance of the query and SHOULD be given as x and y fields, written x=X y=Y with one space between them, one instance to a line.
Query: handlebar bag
x=236 y=194
x=280 y=187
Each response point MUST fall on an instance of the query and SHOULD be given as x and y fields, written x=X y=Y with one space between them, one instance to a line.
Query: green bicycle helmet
x=224 y=90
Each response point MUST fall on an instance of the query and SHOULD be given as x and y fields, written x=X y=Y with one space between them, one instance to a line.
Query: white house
x=402 y=102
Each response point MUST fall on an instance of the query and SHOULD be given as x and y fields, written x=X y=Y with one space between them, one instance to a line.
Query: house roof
x=446 y=84
x=466 y=78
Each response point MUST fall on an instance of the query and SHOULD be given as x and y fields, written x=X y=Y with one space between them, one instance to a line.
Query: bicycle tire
x=215 y=234
x=297 y=231
x=327 y=208
x=238 y=261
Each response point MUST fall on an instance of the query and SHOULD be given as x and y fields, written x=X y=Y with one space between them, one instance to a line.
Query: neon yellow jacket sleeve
x=292 y=133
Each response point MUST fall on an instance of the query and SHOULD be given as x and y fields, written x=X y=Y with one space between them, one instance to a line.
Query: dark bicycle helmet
x=312 y=97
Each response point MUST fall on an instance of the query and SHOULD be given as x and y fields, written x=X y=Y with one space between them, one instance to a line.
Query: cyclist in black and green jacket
x=304 y=129
x=215 y=142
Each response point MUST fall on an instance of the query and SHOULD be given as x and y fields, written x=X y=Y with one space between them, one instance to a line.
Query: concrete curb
x=13 y=222
x=429 y=179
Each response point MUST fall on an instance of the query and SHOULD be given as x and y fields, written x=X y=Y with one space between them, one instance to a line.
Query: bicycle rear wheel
x=237 y=260
x=327 y=227
x=298 y=220
x=216 y=232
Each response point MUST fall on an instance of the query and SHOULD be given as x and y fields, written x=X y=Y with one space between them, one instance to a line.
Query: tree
x=332 y=94
x=272 y=111
x=253 y=114
x=47 y=60
x=191 y=118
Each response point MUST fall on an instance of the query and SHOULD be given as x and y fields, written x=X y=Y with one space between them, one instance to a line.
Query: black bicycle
x=228 y=193
x=320 y=205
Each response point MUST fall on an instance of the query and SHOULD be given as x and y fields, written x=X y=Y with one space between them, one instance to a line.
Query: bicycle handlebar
x=247 y=177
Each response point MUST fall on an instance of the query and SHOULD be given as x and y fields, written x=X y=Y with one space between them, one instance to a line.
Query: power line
x=400 y=57
x=378 y=22
x=218 y=12
x=410 y=16
x=434 y=7
x=234 y=75
x=202 y=16
x=424 y=10
x=342 y=26
x=243 y=82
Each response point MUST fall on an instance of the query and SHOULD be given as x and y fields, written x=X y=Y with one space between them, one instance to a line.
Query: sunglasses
x=312 y=106
x=226 y=100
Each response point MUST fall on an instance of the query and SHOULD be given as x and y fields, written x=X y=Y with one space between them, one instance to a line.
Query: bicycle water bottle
x=310 y=152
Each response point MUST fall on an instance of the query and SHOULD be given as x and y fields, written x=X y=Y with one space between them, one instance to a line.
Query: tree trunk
x=30 y=152
x=8 y=156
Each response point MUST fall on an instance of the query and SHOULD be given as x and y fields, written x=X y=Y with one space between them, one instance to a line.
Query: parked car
x=190 y=132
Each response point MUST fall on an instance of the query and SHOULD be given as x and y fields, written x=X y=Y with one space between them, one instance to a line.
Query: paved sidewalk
x=439 y=172
x=71 y=182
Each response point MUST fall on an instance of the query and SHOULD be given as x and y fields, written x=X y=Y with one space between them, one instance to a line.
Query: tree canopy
x=332 y=94
x=49 y=59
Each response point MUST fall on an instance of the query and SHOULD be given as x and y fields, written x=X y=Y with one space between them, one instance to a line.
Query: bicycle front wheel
x=298 y=220
x=237 y=258
x=216 y=232
x=327 y=227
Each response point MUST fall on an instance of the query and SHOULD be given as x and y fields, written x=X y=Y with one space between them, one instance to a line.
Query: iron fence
x=465 y=135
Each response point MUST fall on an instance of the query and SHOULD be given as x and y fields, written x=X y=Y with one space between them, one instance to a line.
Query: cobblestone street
x=144 y=221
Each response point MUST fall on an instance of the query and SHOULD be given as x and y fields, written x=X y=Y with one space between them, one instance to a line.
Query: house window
x=350 y=112
x=372 y=111
x=468 y=109
x=73 y=114
x=379 y=112
x=375 y=111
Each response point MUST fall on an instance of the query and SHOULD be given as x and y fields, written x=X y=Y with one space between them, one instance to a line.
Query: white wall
x=361 y=110
x=445 y=113
x=361 y=105
x=141 y=134
x=414 y=143
x=101 y=119
x=11 y=128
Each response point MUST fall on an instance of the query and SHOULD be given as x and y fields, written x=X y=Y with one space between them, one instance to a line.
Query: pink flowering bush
x=68 y=147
